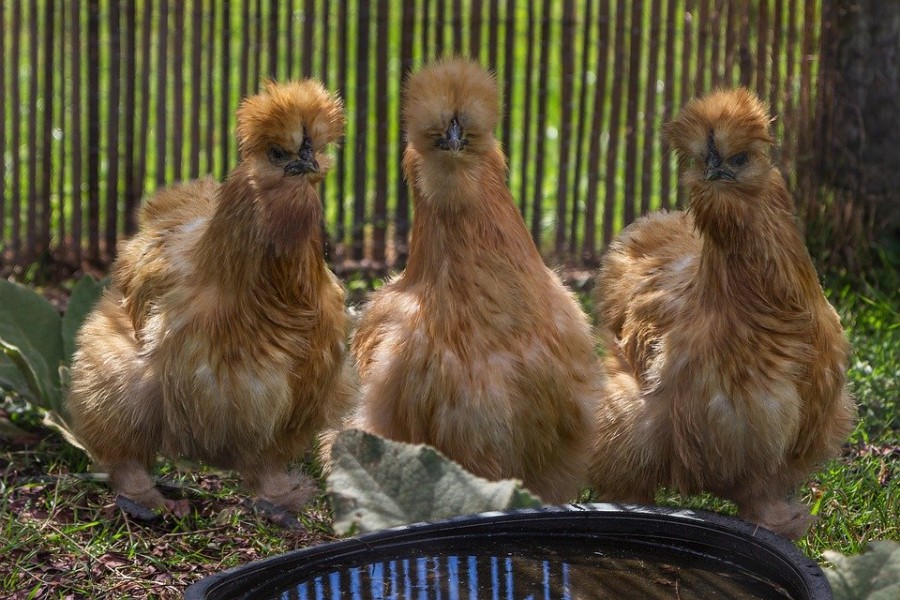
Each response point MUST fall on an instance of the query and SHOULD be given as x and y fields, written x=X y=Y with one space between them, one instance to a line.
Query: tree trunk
x=858 y=113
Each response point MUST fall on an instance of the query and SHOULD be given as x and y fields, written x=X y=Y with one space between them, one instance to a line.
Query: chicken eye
x=277 y=154
x=739 y=160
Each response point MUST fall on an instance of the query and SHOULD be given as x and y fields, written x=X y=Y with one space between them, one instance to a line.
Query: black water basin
x=567 y=552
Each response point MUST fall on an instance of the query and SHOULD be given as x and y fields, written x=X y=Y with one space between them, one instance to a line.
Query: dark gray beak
x=715 y=167
x=306 y=163
x=453 y=139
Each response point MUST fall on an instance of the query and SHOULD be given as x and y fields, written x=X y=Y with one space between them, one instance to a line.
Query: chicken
x=222 y=336
x=476 y=348
x=726 y=363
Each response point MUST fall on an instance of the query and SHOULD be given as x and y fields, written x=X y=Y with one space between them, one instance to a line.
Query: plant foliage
x=873 y=575
x=37 y=345
x=377 y=483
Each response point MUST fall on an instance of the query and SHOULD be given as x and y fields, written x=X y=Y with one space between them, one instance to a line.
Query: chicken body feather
x=726 y=362
x=477 y=348
x=222 y=336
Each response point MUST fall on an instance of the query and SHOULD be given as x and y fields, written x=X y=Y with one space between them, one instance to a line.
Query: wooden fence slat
x=788 y=146
x=509 y=71
x=525 y=155
x=245 y=47
x=744 y=56
x=586 y=44
x=636 y=36
x=565 y=136
x=401 y=212
x=685 y=92
x=716 y=56
x=379 y=215
x=308 y=37
x=476 y=21
x=162 y=71
x=46 y=177
x=177 y=91
x=226 y=109
x=425 y=36
x=612 y=152
x=762 y=45
x=777 y=42
x=731 y=50
x=197 y=89
x=650 y=101
x=665 y=175
x=132 y=188
x=537 y=208
x=804 y=114
x=361 y=145
x=289 y=23
x=77 y=147
x=326 y=40
x=209 y=67
x=112 y=130
x=440 y=20
x=145 y=112
x=60 y=96
x=456 y=25
x=341 y=163
x=3 y=122
x=701 y=85
x=93 y=130
x=595 y=172
x=34 y=43
x=493 y=33
x=256 y=72
x=272 y=50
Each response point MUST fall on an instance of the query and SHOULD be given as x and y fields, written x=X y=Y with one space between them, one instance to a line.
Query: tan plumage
x=222 y=336
x=477 y=348
x=726 y=362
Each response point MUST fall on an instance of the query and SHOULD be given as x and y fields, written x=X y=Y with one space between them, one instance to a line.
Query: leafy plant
x=873 y=575
x=37 y=345
x=377 y=483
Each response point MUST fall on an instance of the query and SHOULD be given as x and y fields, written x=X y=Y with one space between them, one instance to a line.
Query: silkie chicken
x=476 y=348
x=725 y=362
x=222 y=336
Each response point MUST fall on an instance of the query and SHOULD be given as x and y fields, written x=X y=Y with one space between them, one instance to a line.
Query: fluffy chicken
x=476 y=348
x=222 y=336
x=726 y=363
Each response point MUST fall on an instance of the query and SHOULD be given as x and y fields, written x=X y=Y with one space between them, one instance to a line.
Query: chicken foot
x=131 y=480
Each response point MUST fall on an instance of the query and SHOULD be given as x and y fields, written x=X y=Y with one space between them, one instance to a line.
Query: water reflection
x=514 y=577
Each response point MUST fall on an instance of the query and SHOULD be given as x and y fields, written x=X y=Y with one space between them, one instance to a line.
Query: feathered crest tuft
x=286 y=110
x=737 y=118
x=451 y=87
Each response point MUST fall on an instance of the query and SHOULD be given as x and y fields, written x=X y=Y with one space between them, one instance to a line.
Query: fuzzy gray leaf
x=84 y=296
x=872 y=575
x=377 y=483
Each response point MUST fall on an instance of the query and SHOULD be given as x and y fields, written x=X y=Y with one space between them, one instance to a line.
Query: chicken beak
x=306 y=163
x=714 y=172
x=301 y=167
x=454 y=136
x=715 y=168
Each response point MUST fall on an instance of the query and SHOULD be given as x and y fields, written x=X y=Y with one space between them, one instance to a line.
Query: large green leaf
x=11 y=378
x=84 y=296
x=873 y=575
x=31 y=326
x=36 y=388
x=377 y=483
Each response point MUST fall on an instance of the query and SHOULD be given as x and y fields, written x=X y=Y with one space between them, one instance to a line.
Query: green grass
x=61 y=535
